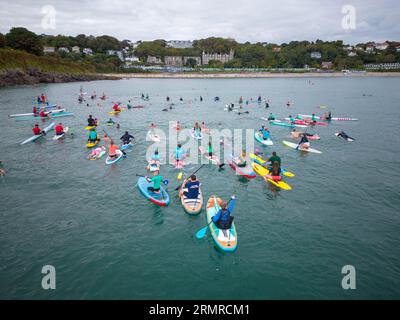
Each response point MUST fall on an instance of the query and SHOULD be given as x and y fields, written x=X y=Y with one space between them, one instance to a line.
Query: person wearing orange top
x=112 y=150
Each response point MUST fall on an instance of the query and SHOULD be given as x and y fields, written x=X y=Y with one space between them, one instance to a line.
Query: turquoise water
x=107 y=241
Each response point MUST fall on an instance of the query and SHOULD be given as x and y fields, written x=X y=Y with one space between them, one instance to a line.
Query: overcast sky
x=244 y=20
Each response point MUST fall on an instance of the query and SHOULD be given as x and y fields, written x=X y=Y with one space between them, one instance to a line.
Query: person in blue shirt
x=179 y=154
x=223 y=219
x=191 y=188
x=265 y=132
x=92 y=136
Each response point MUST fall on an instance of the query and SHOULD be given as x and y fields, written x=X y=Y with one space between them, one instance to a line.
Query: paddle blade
x=289 y=174
x=201 y=233
x=180 y=174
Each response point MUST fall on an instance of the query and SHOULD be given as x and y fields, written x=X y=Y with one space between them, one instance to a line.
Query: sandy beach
x=182 y=75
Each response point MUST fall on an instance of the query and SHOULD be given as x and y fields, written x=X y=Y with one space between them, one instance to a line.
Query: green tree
x=2 y=40
x=23 y=39
x=191 y=63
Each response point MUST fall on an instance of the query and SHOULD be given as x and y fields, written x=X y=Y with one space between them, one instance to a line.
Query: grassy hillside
x=15 y=59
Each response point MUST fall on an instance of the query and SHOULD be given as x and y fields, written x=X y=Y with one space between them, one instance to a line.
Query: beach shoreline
x=184 y=75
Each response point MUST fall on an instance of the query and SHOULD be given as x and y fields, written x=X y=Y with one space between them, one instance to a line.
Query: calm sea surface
x=107 y=241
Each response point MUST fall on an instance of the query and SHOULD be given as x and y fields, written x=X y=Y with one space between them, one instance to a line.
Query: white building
x=120 y=55
x=381 y=46
x=370 y=48
x=222 y=57
x=352 y=54
x=76 y=49
x=153 y=60
x=63 y=49
x=48 y=49
x=315 y=55
x=87 y=51
x=132 y=59
x=180 y=44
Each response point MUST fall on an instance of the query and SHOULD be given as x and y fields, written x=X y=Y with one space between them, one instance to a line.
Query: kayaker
x=126 y=138
x=128 y=105
x=59 y=129
x=167 y=98
x=43 y=98
x=291 y=120
x=259 y=99
x=191 y=188
x=274 y=173
x=240 y=100
x=313 y=118
x=91 y=122
x=328 y=116
x=37 y=131
x=210 y=149
x=116 y=107
x=266 y=105
x=178 y=126
x=156 y=180
x=111 y=121
x=304 y=143
x=180 y=99
x=265 y=132
x=271 y=117
x=201 y=98
x=43 y=114
x=274 y=158
x=223 y=219
x=92 y=136
x=39 y=100
x=241 y=160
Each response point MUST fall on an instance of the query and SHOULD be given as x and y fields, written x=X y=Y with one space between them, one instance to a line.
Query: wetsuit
x=126 y=138
x=192 y=189
x=91 y=122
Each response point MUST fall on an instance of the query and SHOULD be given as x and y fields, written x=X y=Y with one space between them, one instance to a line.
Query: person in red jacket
x=116 y=107
x=59 y=129
x=43 y=114
x=43 y=98
x=36 y=130
x=34 y=111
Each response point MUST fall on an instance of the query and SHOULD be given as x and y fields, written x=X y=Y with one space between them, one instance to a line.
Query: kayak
x=289 y=125
x=119 y=157
x=92 y=144
x=114 y=112
x=35 y=137
x=110 y=123
x=161 y=199
x=197 y=136
x=152 y=137
x=349 y=139
x=101 y=154
x=33 y=115
x=47 y=106
x=261 y=161
x=263 y=171
x=212 y=159
x=90 y=127
x=191 y=206
x=246 y=171
x=333 y=118
x=259 y=138
x=228 y=241
x=59 y=114
x=294 y=146
x=56 y=137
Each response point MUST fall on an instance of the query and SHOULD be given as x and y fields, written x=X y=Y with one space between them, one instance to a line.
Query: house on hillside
x=180 y=44
x=88 y=51
x=315 y=55
x=352 y=54
x=398 y=48
x=76 y=49
x=276 y=49
x=48 y=49
x=370 y=48
x=381 y=46
x=63 y=49
x=326 y=65
x=131 y=59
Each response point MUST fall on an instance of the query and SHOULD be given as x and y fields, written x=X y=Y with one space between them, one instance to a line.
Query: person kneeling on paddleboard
x=241 y=160
x=59 y=129
x=126 y=138
x=156 y=180
x=291 y=120
x=37 y=131
x=92 y=136
x=275 y=172
x=223 y=219
x=304 y=143
x=191 y=188
x=271 y=117
x=265 y=132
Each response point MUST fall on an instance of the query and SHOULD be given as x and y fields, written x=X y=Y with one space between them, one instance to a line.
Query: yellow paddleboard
x=92 y=144
x=262 y=161
x=262 y=171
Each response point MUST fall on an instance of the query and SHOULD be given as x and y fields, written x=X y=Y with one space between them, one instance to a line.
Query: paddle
x=202 y=232
x=178 y=187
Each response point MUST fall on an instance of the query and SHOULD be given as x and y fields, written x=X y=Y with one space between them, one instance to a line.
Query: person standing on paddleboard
x=223 y=219
x=156 y=180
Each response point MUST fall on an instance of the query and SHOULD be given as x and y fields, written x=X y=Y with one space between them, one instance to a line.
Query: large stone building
x=222 y=57
x=173 y=61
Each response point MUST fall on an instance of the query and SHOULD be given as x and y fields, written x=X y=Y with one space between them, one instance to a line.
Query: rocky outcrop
x=34 y=76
